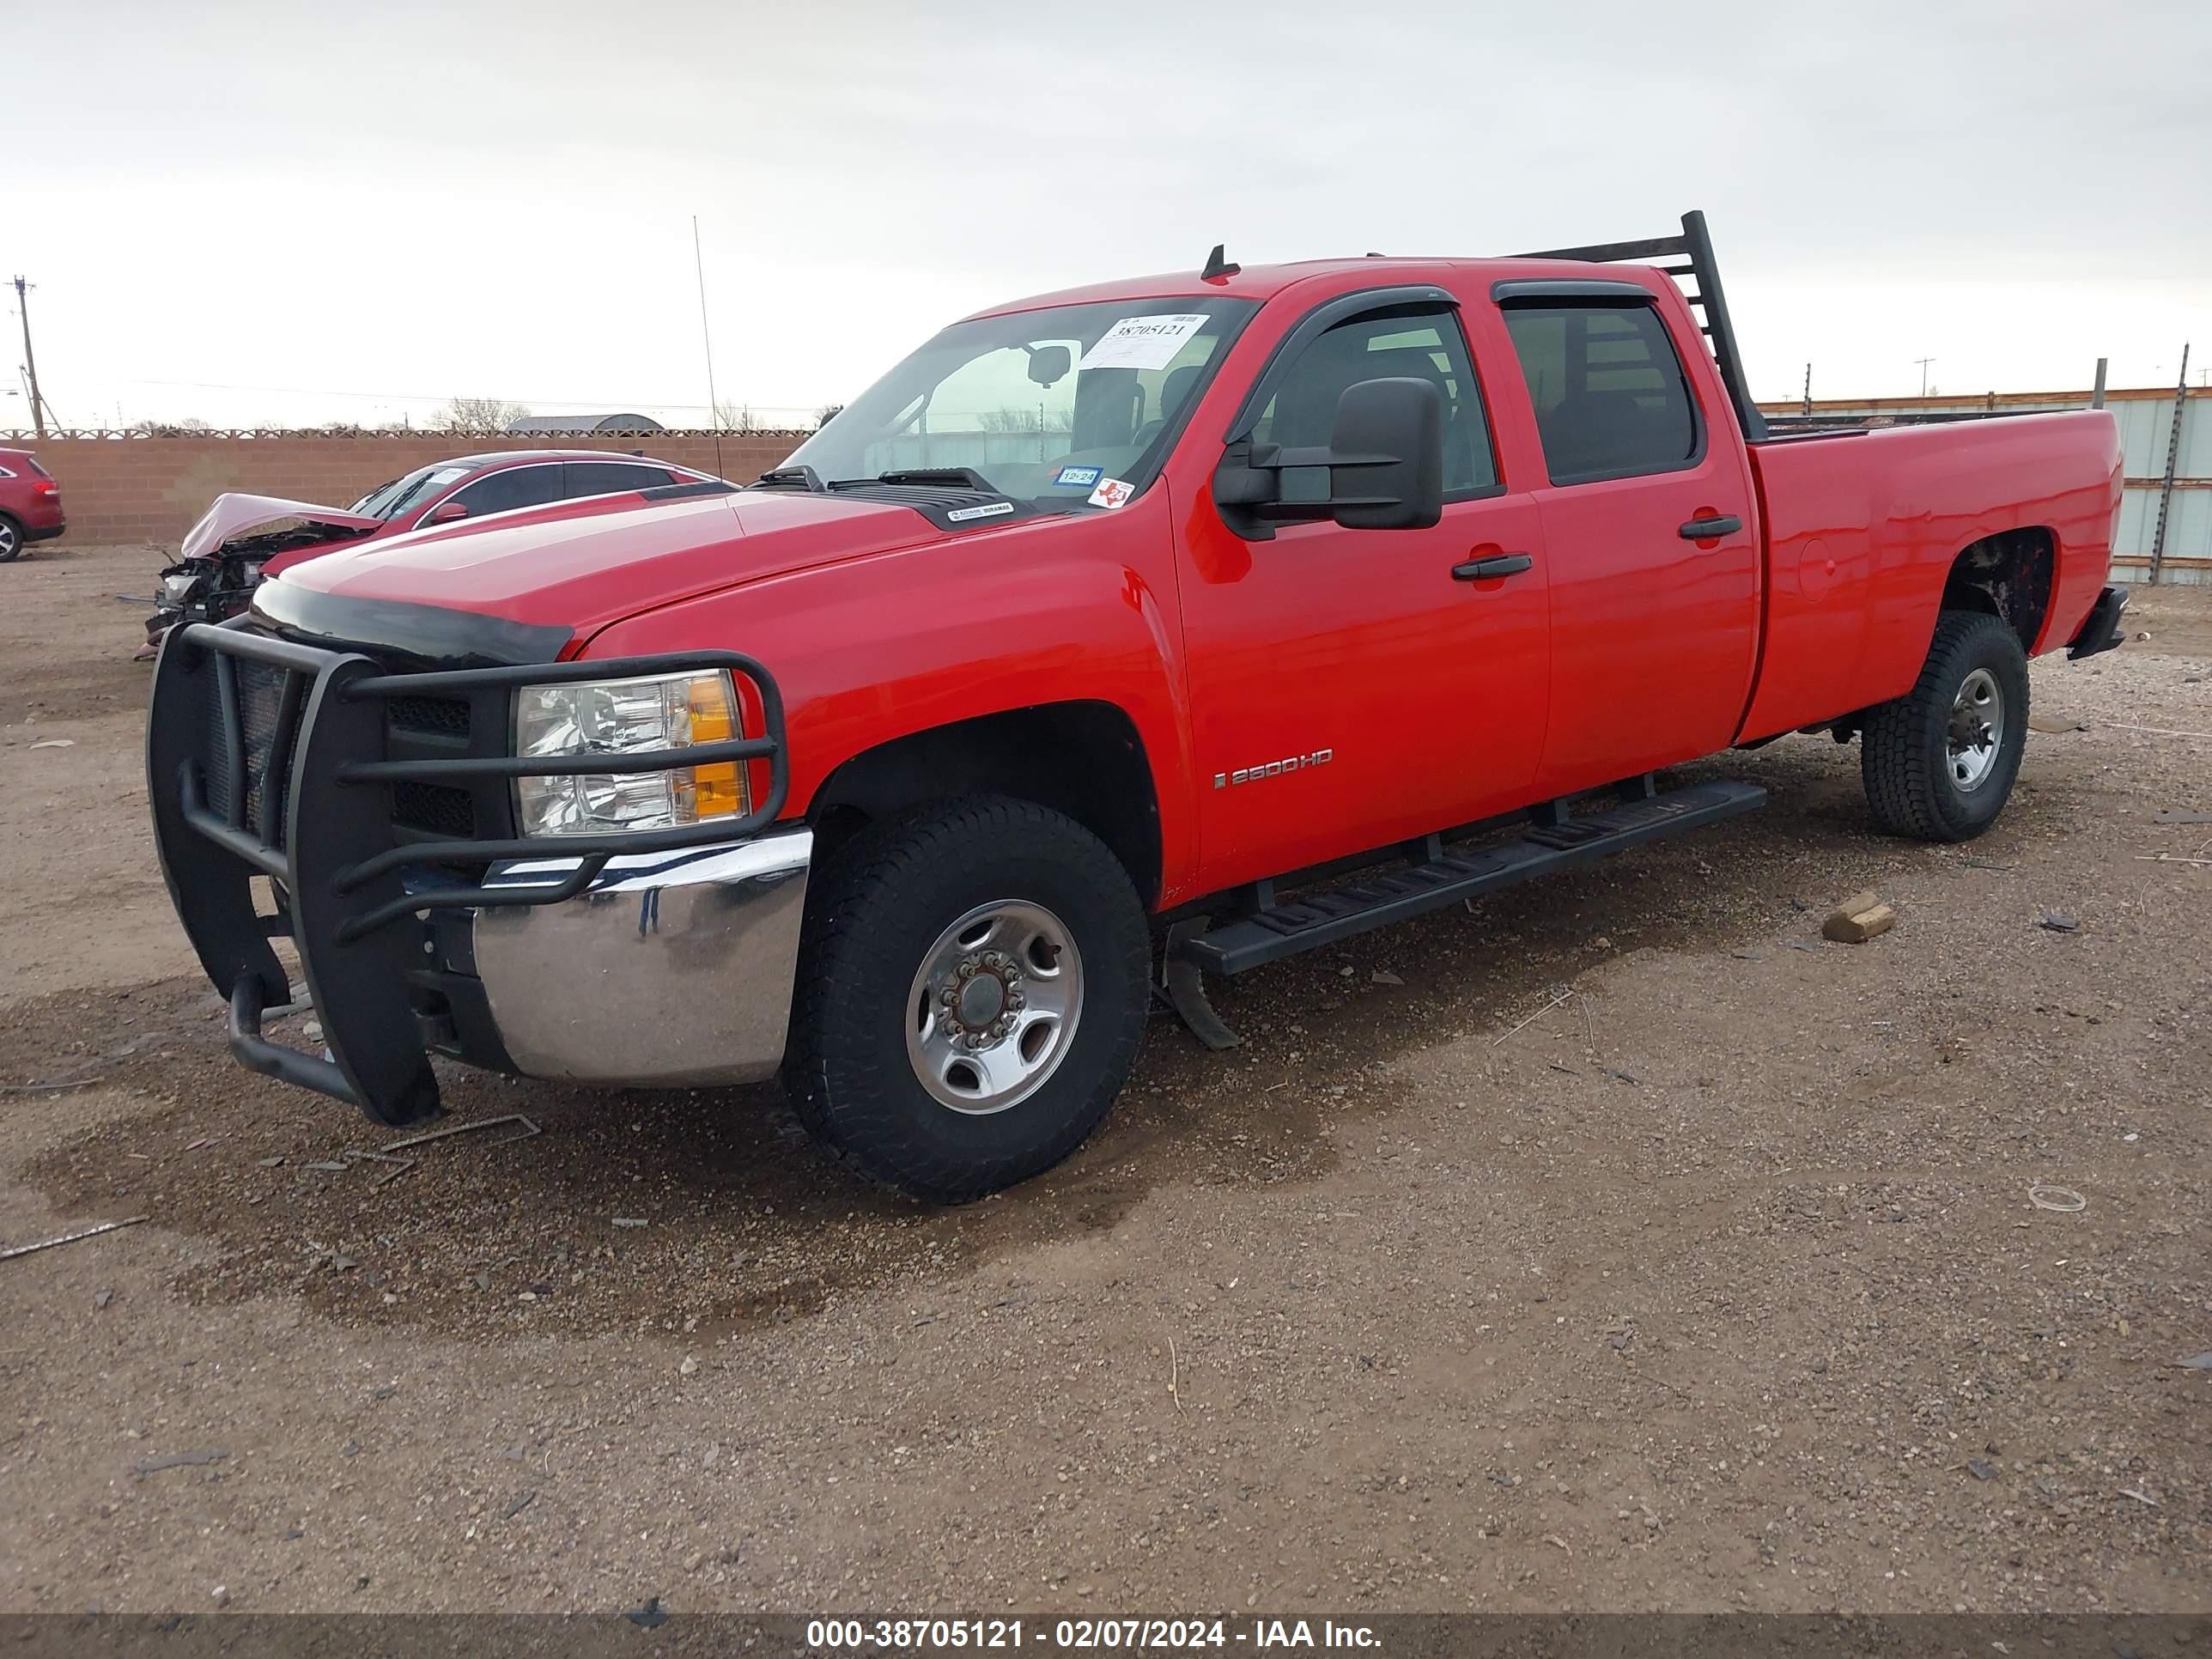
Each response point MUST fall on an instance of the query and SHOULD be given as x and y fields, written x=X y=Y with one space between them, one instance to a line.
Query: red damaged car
x=242 y=540
x=30 y=504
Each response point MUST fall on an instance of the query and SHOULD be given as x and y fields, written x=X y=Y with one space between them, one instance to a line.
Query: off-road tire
x=12 y=541
x=1904 y=756
x=872 y=917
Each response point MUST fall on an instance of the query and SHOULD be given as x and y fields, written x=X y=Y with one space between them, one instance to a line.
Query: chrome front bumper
x=670 y=970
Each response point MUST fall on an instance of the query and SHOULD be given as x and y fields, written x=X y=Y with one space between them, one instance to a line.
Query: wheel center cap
x=982 y=1000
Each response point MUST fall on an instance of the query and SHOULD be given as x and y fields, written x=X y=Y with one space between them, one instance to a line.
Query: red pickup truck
x=1179 y=624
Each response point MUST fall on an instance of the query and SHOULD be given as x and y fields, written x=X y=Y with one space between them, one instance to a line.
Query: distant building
x=539 y=425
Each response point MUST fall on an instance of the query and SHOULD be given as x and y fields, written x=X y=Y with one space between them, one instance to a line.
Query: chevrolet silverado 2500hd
x=1199 y=618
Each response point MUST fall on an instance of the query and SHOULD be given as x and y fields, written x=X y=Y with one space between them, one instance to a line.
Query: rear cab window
x=1611 y=396
x=612 y=478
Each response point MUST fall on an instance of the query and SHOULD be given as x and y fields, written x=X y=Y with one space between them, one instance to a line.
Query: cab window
x=518 y=486
x=1612 y=400
x=1379 y=346
x=611 y=478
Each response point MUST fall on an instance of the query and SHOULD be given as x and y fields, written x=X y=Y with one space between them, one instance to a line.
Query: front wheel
x=973 y=983
x=1939 y=762
x=11 y=539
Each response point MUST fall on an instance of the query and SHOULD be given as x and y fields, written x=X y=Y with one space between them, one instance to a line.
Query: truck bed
x=1863 y=528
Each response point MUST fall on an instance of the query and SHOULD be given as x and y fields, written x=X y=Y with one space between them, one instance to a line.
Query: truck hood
x=227 y=515
x=583 y=565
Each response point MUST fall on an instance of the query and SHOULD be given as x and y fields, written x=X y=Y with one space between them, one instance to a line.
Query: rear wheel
x=1939 y=762
x=11 y=539
x=972 y=987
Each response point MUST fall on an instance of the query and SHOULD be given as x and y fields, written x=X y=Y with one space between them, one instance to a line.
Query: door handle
x=1503 y=564
x=1705 y=530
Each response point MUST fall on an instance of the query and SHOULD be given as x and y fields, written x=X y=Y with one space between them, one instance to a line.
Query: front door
x=1350 y=688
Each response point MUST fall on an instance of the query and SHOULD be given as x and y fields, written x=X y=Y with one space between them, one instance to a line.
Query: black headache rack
x=269 y=757
x=1694 y=249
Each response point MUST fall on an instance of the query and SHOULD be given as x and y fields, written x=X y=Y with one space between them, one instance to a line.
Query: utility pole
x=1806 y=407
x=1923 y=362
x=2172 y=456
x=30 y=364
x=2097 y=392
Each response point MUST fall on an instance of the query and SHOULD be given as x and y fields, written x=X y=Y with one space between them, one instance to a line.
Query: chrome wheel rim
x=994 y=1006
x=1976 y=731
x=7 y=540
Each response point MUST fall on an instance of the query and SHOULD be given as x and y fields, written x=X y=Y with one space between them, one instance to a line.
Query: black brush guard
x=268 y=757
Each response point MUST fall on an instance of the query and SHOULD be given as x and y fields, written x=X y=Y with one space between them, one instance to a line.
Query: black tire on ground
x=11 y=539
x=1917 y=782
x=878 y=913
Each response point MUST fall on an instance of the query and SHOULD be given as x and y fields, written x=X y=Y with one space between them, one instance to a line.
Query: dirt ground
x=1717 y=1283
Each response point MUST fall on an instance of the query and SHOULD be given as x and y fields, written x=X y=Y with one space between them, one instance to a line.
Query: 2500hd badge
x=1273 y=768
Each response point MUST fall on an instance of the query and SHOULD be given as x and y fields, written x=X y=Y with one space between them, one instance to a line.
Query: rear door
x=1354 y=687
x=1654 y=625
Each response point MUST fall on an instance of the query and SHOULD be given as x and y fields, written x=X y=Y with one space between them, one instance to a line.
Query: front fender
x=870 y=649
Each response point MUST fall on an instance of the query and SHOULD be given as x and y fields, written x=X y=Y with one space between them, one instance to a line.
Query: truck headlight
x=617 y=717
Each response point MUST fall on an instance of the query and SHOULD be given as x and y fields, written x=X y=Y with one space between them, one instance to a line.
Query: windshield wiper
x=966 y=477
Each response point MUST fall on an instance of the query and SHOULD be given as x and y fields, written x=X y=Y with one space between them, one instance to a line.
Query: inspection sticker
x=1111 y=492
x=961 y=514
x=1080 y=477
x=1143 y=342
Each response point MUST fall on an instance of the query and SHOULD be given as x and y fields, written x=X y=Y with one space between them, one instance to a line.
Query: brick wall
x=151 y=489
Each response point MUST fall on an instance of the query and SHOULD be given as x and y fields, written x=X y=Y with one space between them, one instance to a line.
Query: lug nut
x=1014 y=999
x=974 y=1039
x=949 y=996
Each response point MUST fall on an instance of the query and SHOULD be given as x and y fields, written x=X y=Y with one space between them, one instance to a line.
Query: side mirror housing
x=447 y=511
x=1383 y=468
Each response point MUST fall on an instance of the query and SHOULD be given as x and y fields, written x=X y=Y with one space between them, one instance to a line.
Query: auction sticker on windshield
x=1077 y=478
x=1111 y=492
x=1143 y=342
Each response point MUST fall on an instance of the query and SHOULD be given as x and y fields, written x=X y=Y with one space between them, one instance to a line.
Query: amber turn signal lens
x=718 y=791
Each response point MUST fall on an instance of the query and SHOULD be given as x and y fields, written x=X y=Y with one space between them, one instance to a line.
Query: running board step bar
x=1565 y=843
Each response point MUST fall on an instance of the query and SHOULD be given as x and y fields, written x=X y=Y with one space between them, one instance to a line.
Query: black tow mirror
x=1383 y=468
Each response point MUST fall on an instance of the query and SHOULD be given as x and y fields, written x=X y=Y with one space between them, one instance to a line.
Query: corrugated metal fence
x=2146 y=421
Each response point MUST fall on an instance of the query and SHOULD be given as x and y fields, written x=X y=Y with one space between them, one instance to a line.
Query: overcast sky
x=305 y=212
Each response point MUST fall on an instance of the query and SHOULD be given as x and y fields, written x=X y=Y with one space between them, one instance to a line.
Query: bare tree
x=826 y=414
x=478 y=415
x=735 y=417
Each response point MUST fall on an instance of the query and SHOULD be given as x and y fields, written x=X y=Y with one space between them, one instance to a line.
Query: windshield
x=1045 y=406
x=390 y=501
